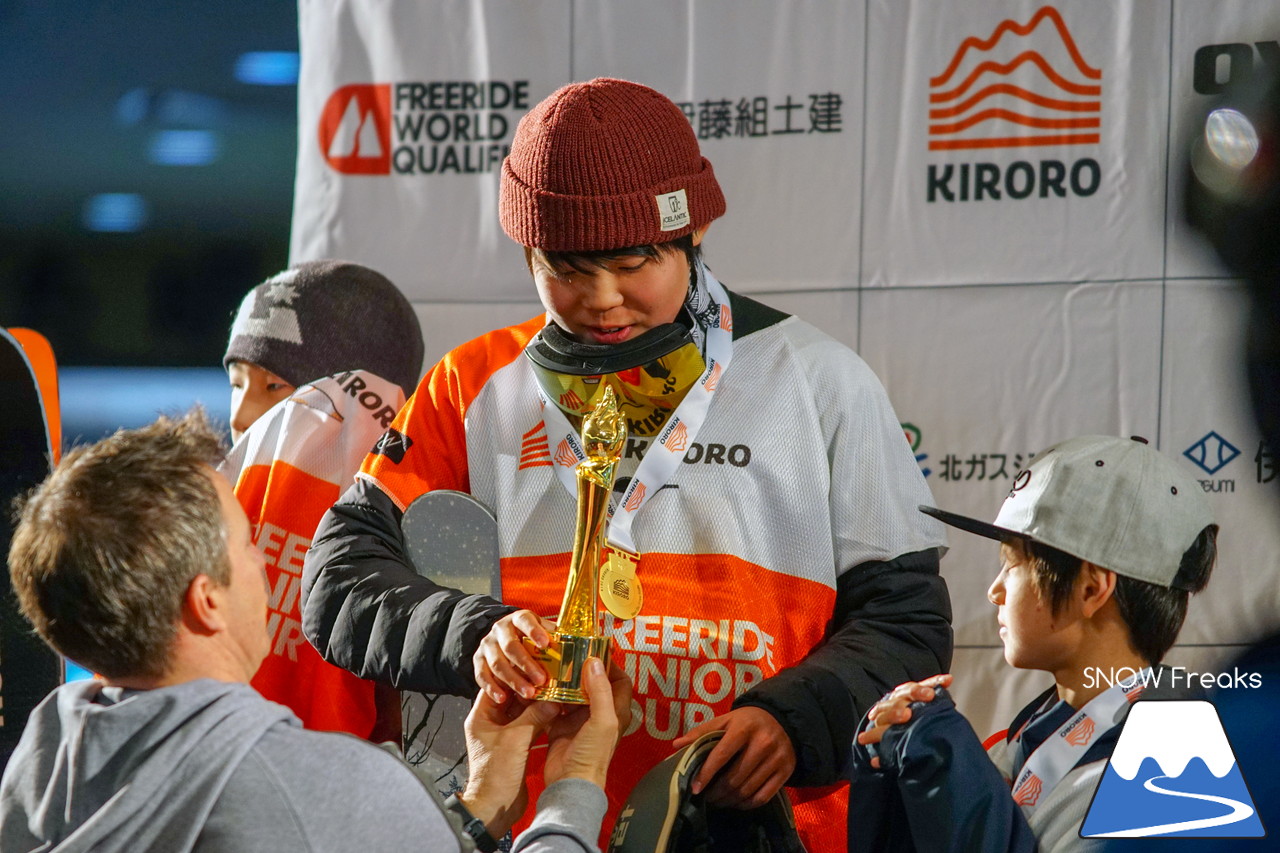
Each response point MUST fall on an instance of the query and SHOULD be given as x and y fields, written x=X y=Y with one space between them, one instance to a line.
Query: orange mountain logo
x=1029 y=791
x=678 y=438
x=637 y=498
x=355 y=129
x=534 y=449
x=726 y=318
x=1081 y=733
x=714 y=379
x=1032 y=88
x=565 y=455
x=570 y=400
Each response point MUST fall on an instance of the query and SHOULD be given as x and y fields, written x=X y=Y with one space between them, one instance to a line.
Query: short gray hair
x=106 y=547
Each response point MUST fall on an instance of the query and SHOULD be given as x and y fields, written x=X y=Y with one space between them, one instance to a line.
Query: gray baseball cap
x=1115 y=502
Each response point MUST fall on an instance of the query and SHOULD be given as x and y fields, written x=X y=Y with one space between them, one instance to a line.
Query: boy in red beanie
x=765 y=495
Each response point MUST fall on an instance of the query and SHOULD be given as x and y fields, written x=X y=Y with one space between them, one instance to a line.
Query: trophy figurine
x=578 y=634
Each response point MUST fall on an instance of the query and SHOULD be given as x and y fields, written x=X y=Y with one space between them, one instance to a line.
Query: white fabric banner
x=1015 y=124
x=981 y=197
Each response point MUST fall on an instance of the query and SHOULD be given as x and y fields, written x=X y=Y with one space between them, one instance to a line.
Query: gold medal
x=621 y=593
x=620 y=589
x=623 y=562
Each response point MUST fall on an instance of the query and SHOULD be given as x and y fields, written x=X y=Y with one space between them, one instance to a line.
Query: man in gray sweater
x=135 y=559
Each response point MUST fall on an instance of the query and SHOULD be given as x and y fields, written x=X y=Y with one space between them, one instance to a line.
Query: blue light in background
x=96 y=401
x=184 y=147
x=180 y=107
x=268 y=68
x=133 y=106
x=115 y=212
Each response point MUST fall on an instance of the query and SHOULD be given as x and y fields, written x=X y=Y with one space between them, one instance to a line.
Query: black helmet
x=663 y=816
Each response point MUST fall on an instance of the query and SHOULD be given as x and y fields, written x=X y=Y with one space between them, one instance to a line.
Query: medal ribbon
x=660 y=461
x=1062 y=750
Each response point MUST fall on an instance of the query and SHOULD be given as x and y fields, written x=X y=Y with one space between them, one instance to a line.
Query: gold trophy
x=578 y=635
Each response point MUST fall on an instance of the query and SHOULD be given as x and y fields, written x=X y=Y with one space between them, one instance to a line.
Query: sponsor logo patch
x=673 y=210
x=393 y=445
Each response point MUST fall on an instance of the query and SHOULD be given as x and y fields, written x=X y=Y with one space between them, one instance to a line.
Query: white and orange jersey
x=287 y=469
x=799 y=473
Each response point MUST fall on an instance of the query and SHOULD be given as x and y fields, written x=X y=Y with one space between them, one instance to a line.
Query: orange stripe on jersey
x=284 y=505
x=433 y=419
x=535 y=451
x=286 y=496
x=1003 y=734
x=700 y=642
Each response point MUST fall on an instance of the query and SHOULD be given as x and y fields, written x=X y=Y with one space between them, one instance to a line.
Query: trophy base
x=563 y=661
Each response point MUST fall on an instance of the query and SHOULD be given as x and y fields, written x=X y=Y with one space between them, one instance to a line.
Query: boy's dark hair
x=106 y=547
x=589 y=262
x=1154 y=614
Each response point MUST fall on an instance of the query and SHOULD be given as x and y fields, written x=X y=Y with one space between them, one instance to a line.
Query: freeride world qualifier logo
x=1173 y=774
x=421 y=128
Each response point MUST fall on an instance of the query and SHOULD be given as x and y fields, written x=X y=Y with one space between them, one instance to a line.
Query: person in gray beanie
x=313 y=320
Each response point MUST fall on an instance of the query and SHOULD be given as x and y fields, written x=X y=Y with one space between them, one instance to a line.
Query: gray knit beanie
x=323 y=317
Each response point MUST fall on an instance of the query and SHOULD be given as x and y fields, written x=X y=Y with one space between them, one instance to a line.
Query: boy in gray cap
x=351 y=338
x=313 y=320
x=1103 y=539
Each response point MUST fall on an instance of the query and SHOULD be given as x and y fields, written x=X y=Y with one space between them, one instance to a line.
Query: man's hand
x=755 y=752
x=503 y=664
x=498 y=741
x=894 y=710
x=581 y=740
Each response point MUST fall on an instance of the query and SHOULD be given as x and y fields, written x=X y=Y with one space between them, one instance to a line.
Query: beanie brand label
x=673 y=210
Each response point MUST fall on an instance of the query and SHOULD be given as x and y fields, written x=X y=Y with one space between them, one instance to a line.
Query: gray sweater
x=211 y=766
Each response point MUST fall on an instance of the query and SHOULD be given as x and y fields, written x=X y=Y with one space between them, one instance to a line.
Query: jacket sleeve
x=367 y=610
x=892 y=623
x=936 y=786
x=568 y=819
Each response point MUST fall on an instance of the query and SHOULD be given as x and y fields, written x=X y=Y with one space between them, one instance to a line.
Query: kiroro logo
x=565 y=455
x=1081 y=733
x=678 y=438
x=1030 y=92
x=1029 y=791
x=633 y=502
x=570 y=400
x=713 y=379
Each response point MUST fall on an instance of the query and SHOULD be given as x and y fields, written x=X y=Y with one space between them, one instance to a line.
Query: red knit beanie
x=604 y=165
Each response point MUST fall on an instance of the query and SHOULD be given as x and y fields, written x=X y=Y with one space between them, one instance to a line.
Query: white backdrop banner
x=981 y=197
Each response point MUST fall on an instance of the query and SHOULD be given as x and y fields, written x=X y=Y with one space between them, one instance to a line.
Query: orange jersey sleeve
x=427 y=449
